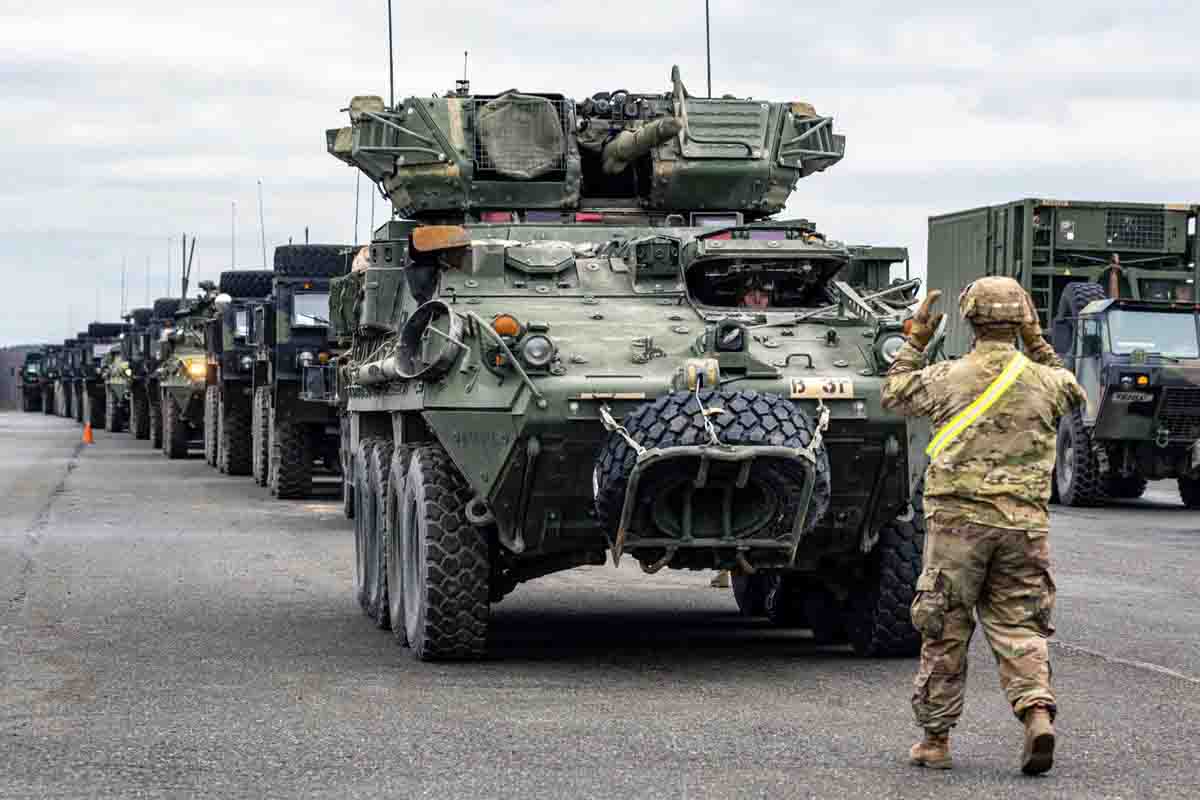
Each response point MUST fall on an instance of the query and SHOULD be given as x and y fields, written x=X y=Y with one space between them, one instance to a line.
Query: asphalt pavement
x=166 y=631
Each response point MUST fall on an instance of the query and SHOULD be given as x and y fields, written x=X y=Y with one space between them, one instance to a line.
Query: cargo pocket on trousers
x=1045 y=605
x=929 y=606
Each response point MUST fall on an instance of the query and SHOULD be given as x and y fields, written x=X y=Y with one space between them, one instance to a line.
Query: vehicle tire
x=105 y=330
x=165 y=307
x=291 y=460
x=233 y=450
x=246 y=283
x=1077 y=295
x=750 y=593
x=879 y=622
x=784 y=603
x=1125 y=487
x=444 y=562
x=175 y=430
x=1075 y=470
x=139 y=413
x=1189 y=492
x=260 y=435
x=401 y=456
x=110 y=415
x=154 y=405
x=347 y=468
x=47 y=402
x=364 y=521
x=96 y=411
x=313 y=260
x=78 y=405
x=748 y=418
x=211 y=399
x=379 y=472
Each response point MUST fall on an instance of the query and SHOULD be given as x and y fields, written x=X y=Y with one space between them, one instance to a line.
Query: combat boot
x=1038 y=754
x=933 y=751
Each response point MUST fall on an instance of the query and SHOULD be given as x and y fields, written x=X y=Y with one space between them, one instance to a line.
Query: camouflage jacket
x=997 y=471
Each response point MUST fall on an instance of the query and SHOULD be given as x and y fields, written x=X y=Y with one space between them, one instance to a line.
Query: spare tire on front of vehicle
x=313 y=260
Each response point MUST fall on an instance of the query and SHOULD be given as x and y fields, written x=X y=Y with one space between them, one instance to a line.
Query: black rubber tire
x=1077 y=295
x=156 y=420
x=78 y=404
x=141 y=316
x=175 y=430
x=784 y=603
x=211 y=401
x=139 y=413
x=347 y=467
x=165 y=307
x=750 y=594
x=290 y=476
x=246 y=283
x=105 y=330
x=444 y=561
x=364 y=521
x=379 y=473
x=234 y=446
x=401 y=456
x=1076 y=471
x=260 y=435
x=748 y=418
x=879 y=620
x=1189 y=492
x=47 y=401
x=112 y=414
x=1125 y=487
x=98 y=416
x=313 y=260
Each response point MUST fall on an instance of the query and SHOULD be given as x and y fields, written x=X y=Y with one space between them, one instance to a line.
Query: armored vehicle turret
x=588 y=339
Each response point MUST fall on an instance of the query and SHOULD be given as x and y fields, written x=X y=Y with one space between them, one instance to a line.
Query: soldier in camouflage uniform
x=987 y=551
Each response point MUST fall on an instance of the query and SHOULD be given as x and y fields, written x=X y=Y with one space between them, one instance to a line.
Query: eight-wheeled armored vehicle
x=182 y=373
x=290 y=435
x=589 y=338
x=230 y=345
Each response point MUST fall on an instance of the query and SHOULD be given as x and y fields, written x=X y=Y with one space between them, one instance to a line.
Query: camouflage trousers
x=1004 y=576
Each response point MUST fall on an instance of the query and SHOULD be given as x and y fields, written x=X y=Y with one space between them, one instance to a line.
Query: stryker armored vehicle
x=31 y=380
x=230 y=346
x=126 y=405
x=182 y=374
x=590 y=337
x=48 y=377
x=291 y=436
x=92 y=378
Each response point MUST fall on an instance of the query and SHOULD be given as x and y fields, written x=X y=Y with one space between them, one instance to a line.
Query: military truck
x=63 y=379
x=94 y=349
x=162 y=324
x=31 y=380
x=290 y=435
x=1048 y=245
x=48 y=377
x=230 y=378
x=182 y=373
x=589 y=338
x=126 y=370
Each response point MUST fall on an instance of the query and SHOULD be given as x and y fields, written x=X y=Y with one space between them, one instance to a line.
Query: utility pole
x=707 y=49
x=357 y=195
x=262 y=226
x=391 y=63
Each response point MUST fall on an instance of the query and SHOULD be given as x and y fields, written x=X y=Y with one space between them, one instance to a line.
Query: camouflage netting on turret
x=345 y=303
x=521 y=136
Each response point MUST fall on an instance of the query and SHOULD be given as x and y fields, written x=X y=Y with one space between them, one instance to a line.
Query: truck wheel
x=175 y=431
x=47 y=402
x=234 y=437
x=110 y=412
x=379 y=471
x=363 y=522
x=879 y=621
x=139 y=414
x=347 y=468
x=290 y=475
x=1189 y=492
x=1125 y=487
x=444 y=562
x=1075 y=470
x=96 y=411
x=78 y=399
x=392 y=543
x=154 y=407
x=210 y=425
x=750 y=593
x=260 y=435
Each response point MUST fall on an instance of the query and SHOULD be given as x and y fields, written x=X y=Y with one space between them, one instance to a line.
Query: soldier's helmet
x=995 y=300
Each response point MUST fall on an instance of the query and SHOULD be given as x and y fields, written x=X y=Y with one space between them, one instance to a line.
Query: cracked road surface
x=167 y=631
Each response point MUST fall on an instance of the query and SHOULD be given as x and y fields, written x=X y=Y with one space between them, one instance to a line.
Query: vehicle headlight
x=306 y=358
x=197 y=369
x=537 y=350
x=889 y=346
x=247 y=362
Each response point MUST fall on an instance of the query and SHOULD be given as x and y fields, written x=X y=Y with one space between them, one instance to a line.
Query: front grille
x=1181 y=413
x=1142 y=230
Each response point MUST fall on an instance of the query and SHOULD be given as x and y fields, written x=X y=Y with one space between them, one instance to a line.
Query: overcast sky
x=126 y=123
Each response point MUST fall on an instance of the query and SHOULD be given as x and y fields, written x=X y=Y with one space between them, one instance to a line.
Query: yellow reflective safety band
x=967 y=417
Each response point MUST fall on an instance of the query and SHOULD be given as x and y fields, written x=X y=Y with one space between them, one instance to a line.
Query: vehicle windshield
x=100 y=350
x=32 y=368
x=1153 y=332
x=241 y=323
x=310 y=309
x=761 y=284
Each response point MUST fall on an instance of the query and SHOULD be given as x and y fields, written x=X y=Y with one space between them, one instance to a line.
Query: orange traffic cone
x=87 y=434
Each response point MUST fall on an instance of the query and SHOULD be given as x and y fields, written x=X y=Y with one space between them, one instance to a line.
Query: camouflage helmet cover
x=995 y=300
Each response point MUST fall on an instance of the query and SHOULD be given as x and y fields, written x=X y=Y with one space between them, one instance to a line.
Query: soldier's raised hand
x=925 y=322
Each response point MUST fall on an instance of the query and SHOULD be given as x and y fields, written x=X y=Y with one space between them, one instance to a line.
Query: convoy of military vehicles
x=586 y=335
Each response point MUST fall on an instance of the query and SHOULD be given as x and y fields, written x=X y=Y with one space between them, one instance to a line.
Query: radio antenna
x=262 y=225
x=391 y=62
x=464 y=86
x=707 y=49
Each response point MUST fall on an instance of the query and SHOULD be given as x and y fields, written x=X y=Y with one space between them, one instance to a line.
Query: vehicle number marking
x=1132 y=397
x=822 y=388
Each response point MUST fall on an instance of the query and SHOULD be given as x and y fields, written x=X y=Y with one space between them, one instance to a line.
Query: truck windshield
x=241 y=323
x=100 y=350
x=310 y=309
x=1153 y=332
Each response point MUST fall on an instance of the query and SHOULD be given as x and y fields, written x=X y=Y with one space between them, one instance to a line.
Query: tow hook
x=1163 y=437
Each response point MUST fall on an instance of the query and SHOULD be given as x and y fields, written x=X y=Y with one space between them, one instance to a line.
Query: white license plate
x=1132 y=397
